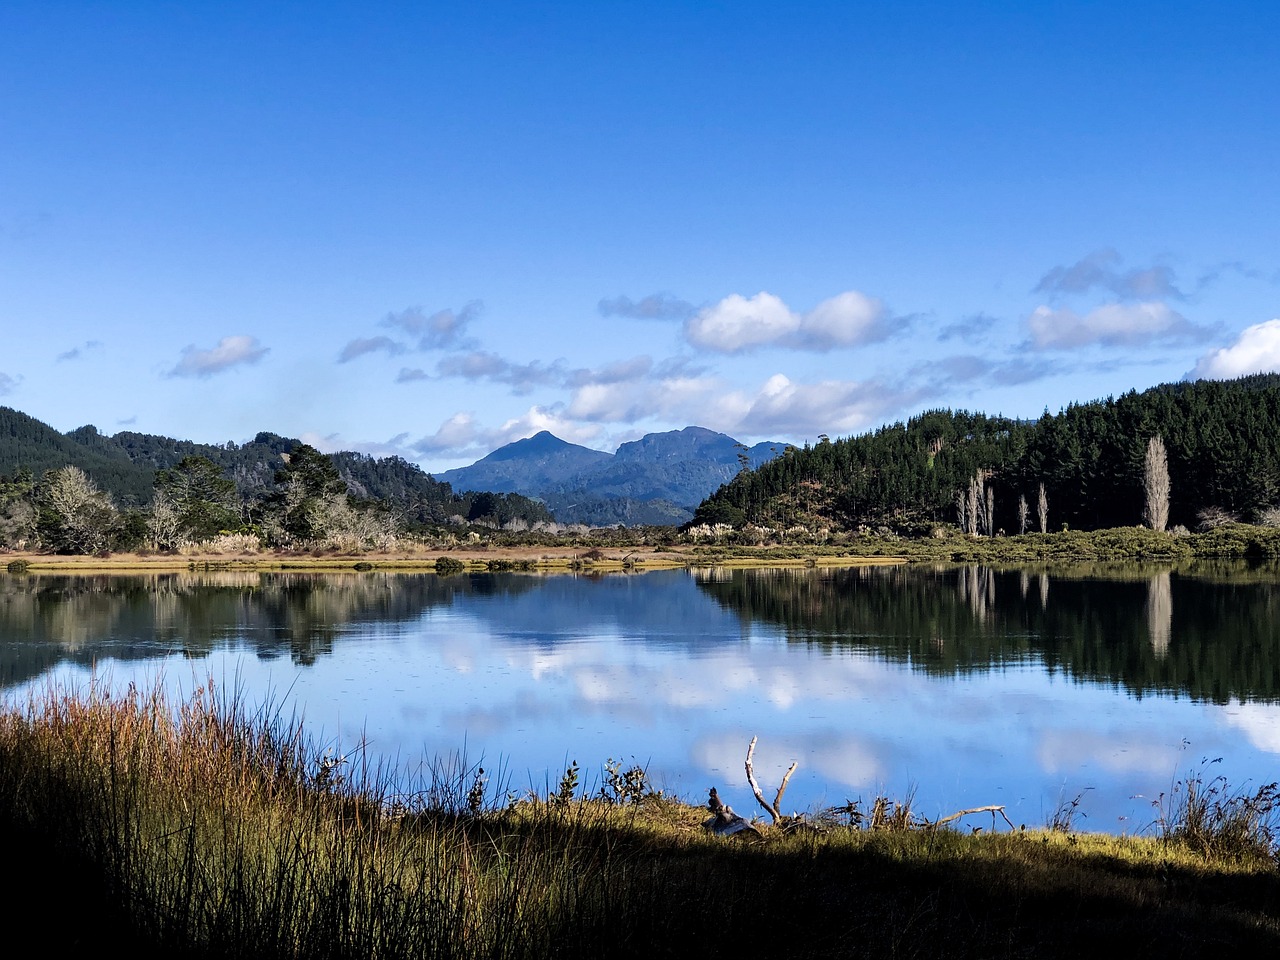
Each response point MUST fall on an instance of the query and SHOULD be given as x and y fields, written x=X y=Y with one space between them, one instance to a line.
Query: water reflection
x=974 y=684
x=1110 y=626
x=1107 y=625
x=1160 y=612
x=49 y=619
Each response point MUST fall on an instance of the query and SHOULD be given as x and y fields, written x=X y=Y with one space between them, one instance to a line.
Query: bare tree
x=165 y=522
x=1023 y=513
x=75 y=516
x=972 y=506
x=1042 y=510
x=1155 y=485
x=991 y=512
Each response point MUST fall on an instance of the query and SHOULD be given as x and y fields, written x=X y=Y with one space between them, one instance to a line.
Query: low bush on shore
x=202 y=829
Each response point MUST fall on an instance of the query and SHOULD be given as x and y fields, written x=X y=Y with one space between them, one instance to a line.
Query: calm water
x=965 y=685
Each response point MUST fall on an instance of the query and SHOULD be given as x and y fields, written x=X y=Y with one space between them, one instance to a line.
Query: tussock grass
x=201 y=829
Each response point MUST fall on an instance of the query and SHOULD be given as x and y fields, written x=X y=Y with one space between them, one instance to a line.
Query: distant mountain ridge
x=660 y=478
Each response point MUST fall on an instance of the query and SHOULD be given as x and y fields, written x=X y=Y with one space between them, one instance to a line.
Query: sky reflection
x=897 y=682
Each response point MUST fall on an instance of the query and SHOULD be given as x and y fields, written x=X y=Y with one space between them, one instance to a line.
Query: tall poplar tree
x=1155 y=485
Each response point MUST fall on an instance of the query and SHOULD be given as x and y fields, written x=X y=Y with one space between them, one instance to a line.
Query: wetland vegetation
x=196 y=828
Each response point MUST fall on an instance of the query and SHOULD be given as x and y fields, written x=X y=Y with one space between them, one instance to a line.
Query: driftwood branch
x=993 y=810
x=774 y=811
x=782 y=787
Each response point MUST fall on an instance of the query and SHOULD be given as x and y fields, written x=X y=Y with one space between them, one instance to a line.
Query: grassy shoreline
x=617 y=550
x=197 y=829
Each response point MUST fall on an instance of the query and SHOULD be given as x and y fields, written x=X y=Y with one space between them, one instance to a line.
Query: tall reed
x=229 y=833
x=201 y=828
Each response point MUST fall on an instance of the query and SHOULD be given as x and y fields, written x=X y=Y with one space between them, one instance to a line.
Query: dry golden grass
x=200 y=829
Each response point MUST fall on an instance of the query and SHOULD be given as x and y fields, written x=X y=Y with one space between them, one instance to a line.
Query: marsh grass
x=1207 y=815
x=201 y=828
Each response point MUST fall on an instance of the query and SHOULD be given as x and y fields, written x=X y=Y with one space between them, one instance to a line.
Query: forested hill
x=125 y=465
x=1222 y=438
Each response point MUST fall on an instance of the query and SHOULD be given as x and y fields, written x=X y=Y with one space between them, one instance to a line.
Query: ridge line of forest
x=1223 y=453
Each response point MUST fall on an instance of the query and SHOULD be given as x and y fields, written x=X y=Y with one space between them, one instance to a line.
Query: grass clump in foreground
x=197 y=829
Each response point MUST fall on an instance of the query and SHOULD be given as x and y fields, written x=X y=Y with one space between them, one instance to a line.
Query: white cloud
x=7 y=383
x=361 y=346
x=1067 y=750
x=537 y=419
x=327 y=443
x=620 y=371
x=625 y=401
x=230 y=352
x=462 y=436
x=1256 y=350
x=656 y=306
x=737 y=323
x=1099 y=270
x=1260 y=723
x=846 y=759
x=799 y=409
x=975 y=328
x=779 y=407
x=845 y=320
x=967 y=368
x=76 y=352
x=459 y=432
x=1113 y=324
x=438 y=330
x=482 y=365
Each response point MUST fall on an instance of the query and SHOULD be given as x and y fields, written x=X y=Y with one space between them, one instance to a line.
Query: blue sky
x=430 y=229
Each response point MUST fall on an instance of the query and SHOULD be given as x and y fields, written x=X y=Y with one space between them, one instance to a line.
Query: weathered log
x=723 y=821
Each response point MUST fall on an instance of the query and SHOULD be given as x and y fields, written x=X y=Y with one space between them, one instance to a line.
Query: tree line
x=83 y=492
x=1086 y=467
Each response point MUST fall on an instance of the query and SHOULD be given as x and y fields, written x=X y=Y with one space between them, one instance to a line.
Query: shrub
x=1269 y=517
x=1210 y=518
x=448 y=566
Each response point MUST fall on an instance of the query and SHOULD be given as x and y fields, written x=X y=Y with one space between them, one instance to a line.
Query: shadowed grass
x=198 y=829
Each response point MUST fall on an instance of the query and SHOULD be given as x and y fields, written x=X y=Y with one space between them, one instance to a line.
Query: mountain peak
x=540 y=444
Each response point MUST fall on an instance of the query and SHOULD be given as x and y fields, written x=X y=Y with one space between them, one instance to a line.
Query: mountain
x=539 y=463
x=658 y=479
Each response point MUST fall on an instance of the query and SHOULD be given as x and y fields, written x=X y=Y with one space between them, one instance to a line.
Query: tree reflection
x=1107 y=624
x=45 y=620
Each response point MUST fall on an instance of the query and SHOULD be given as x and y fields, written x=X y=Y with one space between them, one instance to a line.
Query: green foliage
x=624 y=785
x=1222 y=440
x=448 y=566
x=135 y=468
x=564 y=793
x=17 y=510
x=203 y=497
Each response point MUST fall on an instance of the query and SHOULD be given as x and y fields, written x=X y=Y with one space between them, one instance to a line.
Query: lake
x=961 y=686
